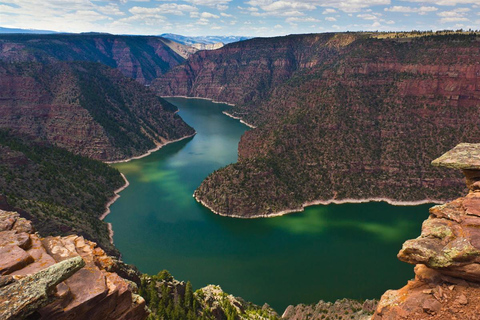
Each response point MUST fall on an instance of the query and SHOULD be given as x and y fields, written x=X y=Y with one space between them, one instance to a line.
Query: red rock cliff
x=94 y=291
x=357 y=118
x=446 y=255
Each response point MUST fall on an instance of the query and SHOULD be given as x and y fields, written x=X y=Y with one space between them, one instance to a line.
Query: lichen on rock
x=446 y=255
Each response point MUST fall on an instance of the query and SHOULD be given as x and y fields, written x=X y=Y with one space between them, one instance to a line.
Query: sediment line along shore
x=214 y=101
x=238 y=118
x=116 y=192
x=109 y=203
x=149 y=152
x=323 y=202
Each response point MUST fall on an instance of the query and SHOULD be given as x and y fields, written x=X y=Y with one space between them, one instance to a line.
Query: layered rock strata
x=446 y=254
x=86 y=108
x=339 y=117
x=31 y=265
x=139 y=57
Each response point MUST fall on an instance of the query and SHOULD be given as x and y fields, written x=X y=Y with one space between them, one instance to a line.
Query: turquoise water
x=326 y=252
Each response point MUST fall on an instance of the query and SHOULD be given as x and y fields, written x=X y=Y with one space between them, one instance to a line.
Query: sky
x=238 y=17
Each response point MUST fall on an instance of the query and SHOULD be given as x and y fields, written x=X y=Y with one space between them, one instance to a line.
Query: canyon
x=338 y=117
x=62 y=277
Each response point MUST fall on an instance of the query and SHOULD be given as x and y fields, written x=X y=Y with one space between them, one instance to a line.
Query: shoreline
x=116 y=192
x=110 y=202
x=209 y=99
x=323 y=202
x=149 y=152
x=238 y=118
x=215 y=101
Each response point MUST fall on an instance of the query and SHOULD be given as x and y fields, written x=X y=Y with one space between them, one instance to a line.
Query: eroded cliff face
x=86 y=108
x=361 y=122
x=94 y=291
x=446 y=255
x=246 y=71
x=138 y=57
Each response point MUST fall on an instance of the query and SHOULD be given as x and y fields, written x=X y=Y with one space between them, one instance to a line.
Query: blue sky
x=238 y=17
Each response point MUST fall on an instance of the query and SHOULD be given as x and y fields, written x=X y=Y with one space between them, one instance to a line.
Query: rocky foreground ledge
x=61 y=277
x=446 y=254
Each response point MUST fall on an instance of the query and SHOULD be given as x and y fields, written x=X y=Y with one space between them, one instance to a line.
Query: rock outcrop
x=172 y=299
x=344 y=309
x=86 y=108
x=338 y=117
x=446 y=254
x=220 y=305
x=32 y=266
x=20 y=298
x=142 y=58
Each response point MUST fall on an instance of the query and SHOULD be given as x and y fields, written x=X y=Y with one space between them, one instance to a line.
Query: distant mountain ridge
x=188 y=40
x=29 y=31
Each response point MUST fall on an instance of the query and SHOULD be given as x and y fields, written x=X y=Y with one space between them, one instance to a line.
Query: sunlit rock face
x=446 y=254
x=61 y=277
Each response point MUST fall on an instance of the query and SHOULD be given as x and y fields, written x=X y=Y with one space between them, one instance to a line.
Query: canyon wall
x=338 y=116
x=86 y=108
x=142 y=58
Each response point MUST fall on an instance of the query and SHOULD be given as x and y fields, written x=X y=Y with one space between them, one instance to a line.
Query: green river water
x=326 y=252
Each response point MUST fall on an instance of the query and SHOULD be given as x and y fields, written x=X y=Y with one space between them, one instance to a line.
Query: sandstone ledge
x=60 y=277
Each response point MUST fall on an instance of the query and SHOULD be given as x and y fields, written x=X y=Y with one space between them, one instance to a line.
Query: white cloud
x=367 y=16
x=455 y=15
x=289 y=5
x=203 y=21
x=279 y=7
x=420 y=10
x=223 y=14
x=218 y=4
x=352 y=5
x=57 y=15
x=208 y=15
x=165 y=8
x=302 y=19
x=330 y=19
x=329 y=11
x=445 y=2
